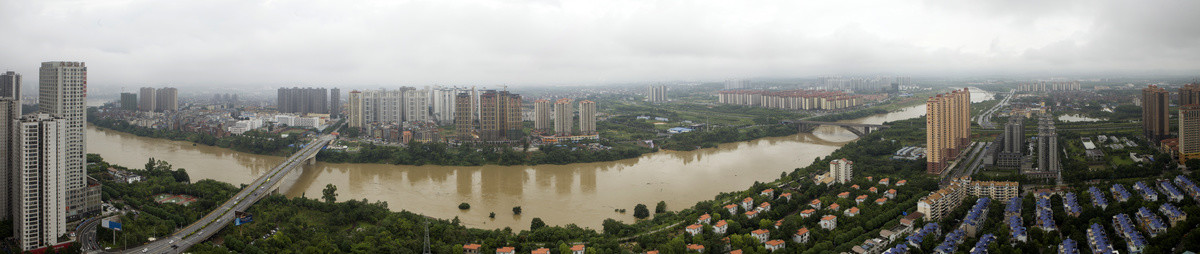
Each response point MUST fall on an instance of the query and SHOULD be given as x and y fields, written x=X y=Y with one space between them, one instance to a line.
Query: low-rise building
x=786 y=196
x=1174 y=215
x=773 y=245
x=764 y=207
x=891 y=193
x=881 y=201
x=860 y=199
x=828 y=222
x=801 y=235
x=1098 y=199
x=694 y=229
x=844 y=194
x=770 y=193
x=835 y=207
x=695 y=248
x=751 y=214
x=720 y=227
x=1097 y=239
x=1147 y=193
x=815 y=204
x=704 y=219
x=747 y=203
x=761 y=235
x=578 y=249
x=506 y=250
x=807 y=212
x=853 y=211
x=1119 y=193
x=471 y=248
x=732 y=208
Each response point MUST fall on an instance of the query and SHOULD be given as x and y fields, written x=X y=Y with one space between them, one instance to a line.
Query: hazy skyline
x=390 y=43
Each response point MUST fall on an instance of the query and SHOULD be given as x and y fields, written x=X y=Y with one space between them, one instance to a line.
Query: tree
x=640 y=211
x=1192 y=164
x=492 y=215
x=661 y=207
x=329 y=194
x=150 y=165
x=517 y=210
x=536 y=224
x=464 y=206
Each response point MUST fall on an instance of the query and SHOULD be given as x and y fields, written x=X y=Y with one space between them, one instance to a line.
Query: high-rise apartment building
x=1156 y=122
x=392 y=106
x=500 y=115
x=947 y=128
x=1047 y=145
x=10 y=85
x=841 y=170
x=146 y=96
x=41 y=180
x=587 y=117
x=335 y=102
x=303 y=100
x=129 y=101
x=416 y=105
x=62 y=93
x=443 y=105
x=1189 y=132
x=1013 y=146
x=1189 y=94
x=656 y=93
x=563 y=116
x=355 y=109
x=10 y=110
x=166 y=99
x=541 y=115
x=736 y=84
x=465 y=122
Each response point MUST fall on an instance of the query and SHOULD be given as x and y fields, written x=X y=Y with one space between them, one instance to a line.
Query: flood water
x=584 y=194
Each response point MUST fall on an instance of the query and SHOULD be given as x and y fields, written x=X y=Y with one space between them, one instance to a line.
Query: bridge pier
x=312 y=160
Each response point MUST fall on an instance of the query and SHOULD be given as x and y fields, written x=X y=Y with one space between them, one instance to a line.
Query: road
x=86 y=234
x=985 y=119
x=212 y=223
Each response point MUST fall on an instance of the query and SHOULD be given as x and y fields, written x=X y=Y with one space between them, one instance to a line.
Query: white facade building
x=40 y=183
x=62 y=93
x=841 y=170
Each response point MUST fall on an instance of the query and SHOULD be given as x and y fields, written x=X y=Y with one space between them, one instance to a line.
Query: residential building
x=500 y=116
x=40 y=150
x=1048 y=145
x=770 y=193
x=506 y=250
x=720 y=227
x=541 y=115
x=747 y=203
x=540 y=251
x=941 y=202
x=656 y=93
x=773 y=245
x=563 y=117
x=1098 y=199
x=948 y=128
x=997 y=190
x=1012 y=152
x=146 y=101
x=335 y=102
x=303 y=100
x=166 y=99
x=416 y=105
x=355 y=109
x=694 y=229
x=63 y=92
x=764 y=207
x=1098 y=240
x=695 y=248
x=10 y=111
x=1189 y=132
x=731 y=84
x=841 y=170
x=587 y=117
x=1189 y=94
x=578 y=249
x=466 y=122
x=129 y=101
x=853 y=211
x=471 y=248
x=1174 y=215
x=732 y=208
x=1156 y=122
x=828 y=222
x=444 y=105
x=761 y=234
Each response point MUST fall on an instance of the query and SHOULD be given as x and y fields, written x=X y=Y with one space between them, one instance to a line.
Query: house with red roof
x=852 y=211
x=773 y=245
x=815 y=204
x=786 y=195
x=751 y=214
x=540 y=251
x=761 y=234
x=881 y=201
x=704 y=219
x=860 y=199
x=770 y=193
x=471 y=248
x=747 y=203
x=854 y=186
x=764 y=207
x=828 y=222
x=873 y=190
x=720 y=227
x=801 y=235
x=885 y=181
x=732 y=208
x=901 y=182
x=506 y=250
x=695 y=248
x=834 y=207
x=891 y=193
x=844 y=195
x=807 y=212
x=578 y=249
x=694 y=229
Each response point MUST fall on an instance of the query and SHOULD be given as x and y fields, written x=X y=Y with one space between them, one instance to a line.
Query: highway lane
x=212 y=223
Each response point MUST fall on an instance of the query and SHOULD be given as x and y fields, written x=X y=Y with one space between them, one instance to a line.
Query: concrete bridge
x=212 y=223
x=860 y=129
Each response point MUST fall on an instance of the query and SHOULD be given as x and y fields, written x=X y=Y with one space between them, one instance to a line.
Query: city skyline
x=530 y=43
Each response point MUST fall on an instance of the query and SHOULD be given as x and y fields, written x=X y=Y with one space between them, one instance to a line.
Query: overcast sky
x=373 y=43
